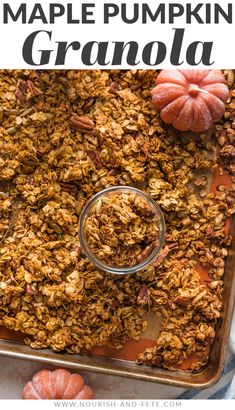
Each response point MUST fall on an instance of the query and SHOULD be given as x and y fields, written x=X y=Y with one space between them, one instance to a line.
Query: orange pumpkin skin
x=190 y=99
x=57 y=384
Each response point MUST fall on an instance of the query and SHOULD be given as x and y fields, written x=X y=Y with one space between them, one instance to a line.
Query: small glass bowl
x=82 y=236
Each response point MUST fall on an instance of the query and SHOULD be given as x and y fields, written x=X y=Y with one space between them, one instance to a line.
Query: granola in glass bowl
x=121 y=230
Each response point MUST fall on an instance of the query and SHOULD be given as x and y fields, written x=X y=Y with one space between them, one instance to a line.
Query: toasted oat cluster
x=122 y=229
x=66 y=135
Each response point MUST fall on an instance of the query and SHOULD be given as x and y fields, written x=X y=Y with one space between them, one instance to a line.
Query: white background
x=14 y=34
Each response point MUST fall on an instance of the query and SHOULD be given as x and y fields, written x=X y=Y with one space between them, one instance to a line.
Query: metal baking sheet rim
x=114 y=367
x=117 y=367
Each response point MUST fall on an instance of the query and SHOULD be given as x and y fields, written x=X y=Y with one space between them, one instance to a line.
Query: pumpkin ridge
x=62 y=395
x=86 y=390
x=51 y=386
x=207 y=74
x=216 y=105
x=37 y=380
x=168 y=73
x=193 y=117
x=193 y=74
x=223 y=99
x=74 y=380
x=208 y=105
x=65 y=387
x=199 y=129
x=217 y=78
x=168 y=108
x=188 y=106
x=30 y=385
x=182 y=107
x=177 y=91
x=34 y=385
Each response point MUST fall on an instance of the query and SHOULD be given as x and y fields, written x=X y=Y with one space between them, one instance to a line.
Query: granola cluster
x=122 y=229
x=66 y=135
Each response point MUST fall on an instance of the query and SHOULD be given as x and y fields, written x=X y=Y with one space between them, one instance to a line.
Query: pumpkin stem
x=194 y=90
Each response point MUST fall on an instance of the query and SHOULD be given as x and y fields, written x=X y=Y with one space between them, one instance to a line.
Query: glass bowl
x=92 y=207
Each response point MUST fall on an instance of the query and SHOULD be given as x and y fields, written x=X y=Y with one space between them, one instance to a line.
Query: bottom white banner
x=115 y=404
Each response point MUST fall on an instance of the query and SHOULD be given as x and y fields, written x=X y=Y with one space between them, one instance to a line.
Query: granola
x=66 y=135
x=122 y=229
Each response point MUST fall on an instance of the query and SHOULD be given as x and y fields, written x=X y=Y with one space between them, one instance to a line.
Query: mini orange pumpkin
x=190 y=99
x=57 y=384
